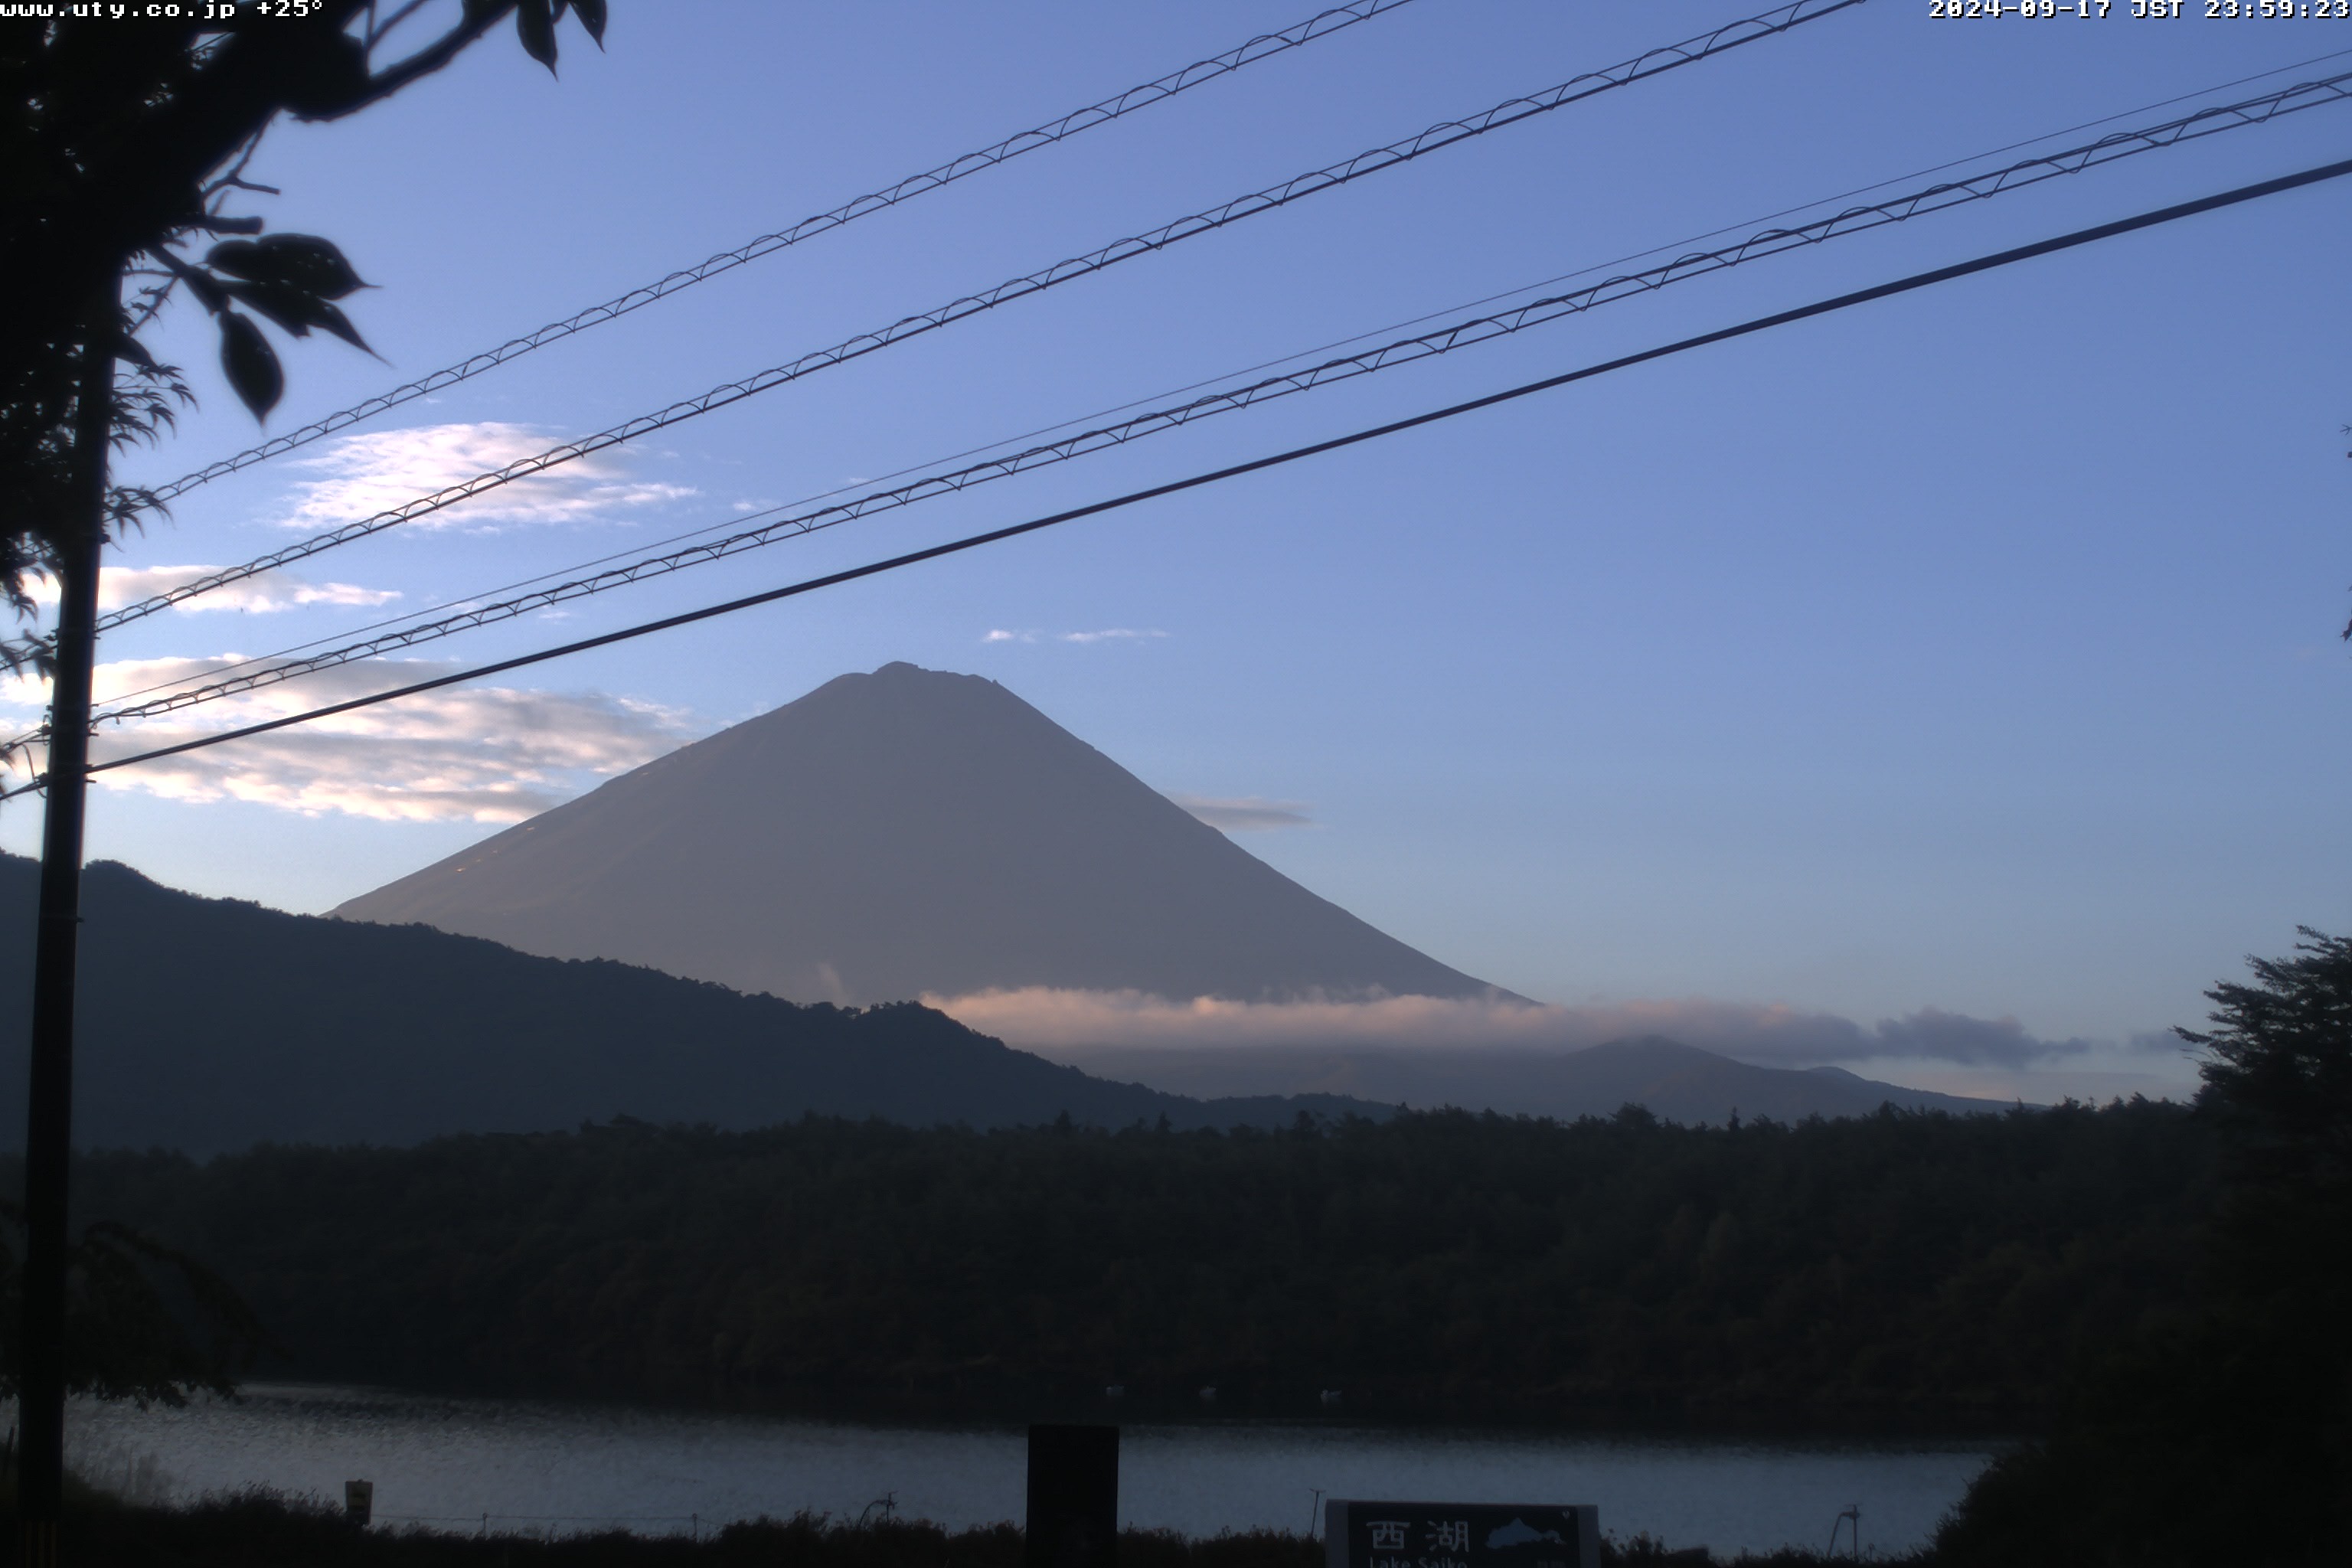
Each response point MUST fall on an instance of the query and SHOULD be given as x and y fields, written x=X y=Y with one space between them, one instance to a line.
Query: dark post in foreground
x=49 y=1127
x=1072 y=1497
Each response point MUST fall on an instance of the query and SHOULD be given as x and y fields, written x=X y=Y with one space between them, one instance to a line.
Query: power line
x=402 y=618
x=1586 y=272
x=1761 y=323
x=1443 y=340
x=1158 y=90
x=1374 y=160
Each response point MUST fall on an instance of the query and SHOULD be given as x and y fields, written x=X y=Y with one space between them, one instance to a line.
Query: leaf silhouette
x=250 y=363
x=290 y=309
x=297 y=312
x=303 y=261
x=235 y=257
x=535 y=25
x=334 y=320
x=327 y=78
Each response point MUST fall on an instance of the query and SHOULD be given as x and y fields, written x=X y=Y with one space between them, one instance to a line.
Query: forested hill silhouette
x=1670 y=1079
x=898 y=834
x=209 y=1025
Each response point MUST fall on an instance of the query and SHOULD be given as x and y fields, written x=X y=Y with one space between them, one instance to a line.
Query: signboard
x=1460 y=1535
x=359 y=1500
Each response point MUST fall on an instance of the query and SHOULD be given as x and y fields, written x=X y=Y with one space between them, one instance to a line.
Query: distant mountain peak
x=898 y=833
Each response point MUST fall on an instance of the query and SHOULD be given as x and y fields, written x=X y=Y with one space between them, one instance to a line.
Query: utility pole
x=48 y=1130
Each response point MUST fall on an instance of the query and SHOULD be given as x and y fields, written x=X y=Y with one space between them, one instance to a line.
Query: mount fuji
x=899 y=834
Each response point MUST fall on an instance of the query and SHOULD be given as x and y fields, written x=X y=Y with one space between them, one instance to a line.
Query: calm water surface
x=534 y=1466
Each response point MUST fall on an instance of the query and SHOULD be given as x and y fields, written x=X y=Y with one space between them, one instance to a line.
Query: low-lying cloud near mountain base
x=1068 y=1023
x=1248 y=813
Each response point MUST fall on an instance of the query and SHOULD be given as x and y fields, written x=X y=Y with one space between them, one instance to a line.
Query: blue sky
x=1971 y=653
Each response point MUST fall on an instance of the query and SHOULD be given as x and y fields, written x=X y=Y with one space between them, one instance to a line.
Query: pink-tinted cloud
x=1770 y=1034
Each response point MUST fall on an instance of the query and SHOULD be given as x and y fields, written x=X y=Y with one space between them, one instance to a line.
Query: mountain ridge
x=1673 y=1081
x=211 y=1025
x=898 y=834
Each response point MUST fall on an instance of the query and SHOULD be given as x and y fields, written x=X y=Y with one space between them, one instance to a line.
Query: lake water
x=528 y=1466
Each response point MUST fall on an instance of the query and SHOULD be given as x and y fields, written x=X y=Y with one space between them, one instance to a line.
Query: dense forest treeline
x=2160 y=1290
x=1910 y=1262
x=2222 y=1433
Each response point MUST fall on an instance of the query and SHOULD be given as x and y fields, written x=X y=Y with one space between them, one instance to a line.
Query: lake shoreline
x=447 y=1462
x=259 y=1528
x=1590 y=1416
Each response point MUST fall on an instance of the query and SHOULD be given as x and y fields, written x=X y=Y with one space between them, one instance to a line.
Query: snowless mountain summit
x=901 y=833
